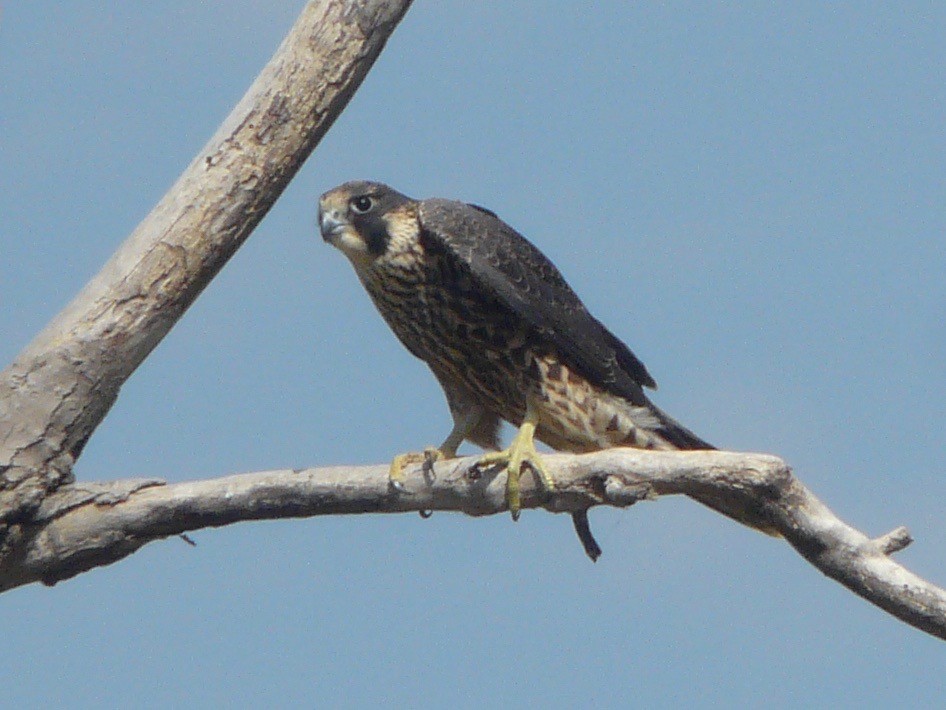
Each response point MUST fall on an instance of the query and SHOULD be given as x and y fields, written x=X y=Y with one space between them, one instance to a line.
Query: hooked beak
x=330 y=225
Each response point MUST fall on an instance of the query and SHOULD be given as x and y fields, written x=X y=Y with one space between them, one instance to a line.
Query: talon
x=426 y=458
x=521 y=453
x=396 y=471
x=431 y=456
x=425 y=514
x=537 y=467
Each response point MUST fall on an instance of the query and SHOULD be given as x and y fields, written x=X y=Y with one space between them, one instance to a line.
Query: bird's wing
x=524 y=279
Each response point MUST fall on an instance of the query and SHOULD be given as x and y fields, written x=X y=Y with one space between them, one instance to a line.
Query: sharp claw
x=425 y=514
x=426 y=459
x=431 y=456
x=538 y=470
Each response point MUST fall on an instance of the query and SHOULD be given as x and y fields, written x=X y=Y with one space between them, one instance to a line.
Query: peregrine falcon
x=503 y=333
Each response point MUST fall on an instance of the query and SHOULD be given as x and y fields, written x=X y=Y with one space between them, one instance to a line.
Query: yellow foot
x=521 y=452
x=428 y=457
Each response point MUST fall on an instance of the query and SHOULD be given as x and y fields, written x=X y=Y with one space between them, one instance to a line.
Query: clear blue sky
x=751 y=196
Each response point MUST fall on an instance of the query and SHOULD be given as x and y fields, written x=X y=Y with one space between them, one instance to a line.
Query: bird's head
x=359 y=218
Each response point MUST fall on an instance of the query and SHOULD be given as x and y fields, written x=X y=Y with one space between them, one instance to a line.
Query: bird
x=505 y=336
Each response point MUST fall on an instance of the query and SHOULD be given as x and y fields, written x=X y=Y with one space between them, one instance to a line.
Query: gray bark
x=84 y=526
x=57 y=391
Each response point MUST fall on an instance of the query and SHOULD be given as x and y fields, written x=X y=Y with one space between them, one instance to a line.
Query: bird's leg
x=429 y=456
x=521 y=452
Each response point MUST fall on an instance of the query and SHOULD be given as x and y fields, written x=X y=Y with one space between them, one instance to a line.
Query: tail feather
x=677 y=435
x=680 y=438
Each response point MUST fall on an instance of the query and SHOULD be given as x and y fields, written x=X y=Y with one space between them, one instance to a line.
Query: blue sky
x=751 y=196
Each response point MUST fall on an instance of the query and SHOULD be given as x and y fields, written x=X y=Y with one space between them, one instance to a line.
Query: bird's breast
x=464 y=333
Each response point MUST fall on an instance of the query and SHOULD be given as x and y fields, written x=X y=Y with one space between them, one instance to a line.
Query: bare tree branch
x=83 y=526
x=62 y=385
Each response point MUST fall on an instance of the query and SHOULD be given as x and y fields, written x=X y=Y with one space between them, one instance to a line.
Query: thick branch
x=63 y=384
x=85 y=526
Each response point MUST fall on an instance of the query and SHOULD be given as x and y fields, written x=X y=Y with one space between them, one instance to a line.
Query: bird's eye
x=362 y=204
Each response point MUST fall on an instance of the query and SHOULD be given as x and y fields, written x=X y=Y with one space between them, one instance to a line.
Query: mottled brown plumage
x=502 y=331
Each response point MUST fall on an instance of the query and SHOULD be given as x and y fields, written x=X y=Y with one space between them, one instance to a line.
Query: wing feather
x=524 y=280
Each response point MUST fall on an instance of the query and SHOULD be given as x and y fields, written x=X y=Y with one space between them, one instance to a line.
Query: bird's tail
x=676 y=436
